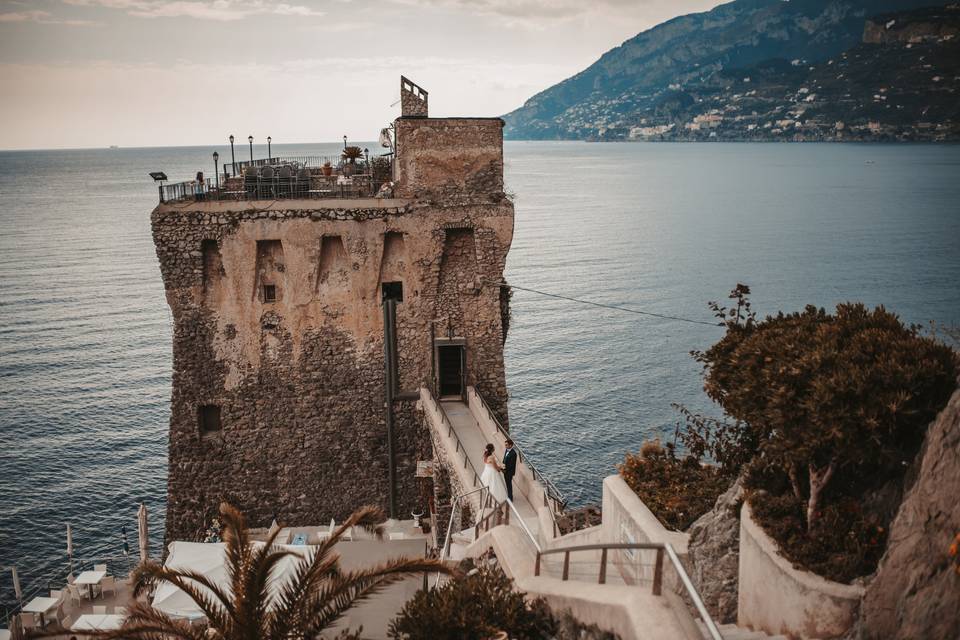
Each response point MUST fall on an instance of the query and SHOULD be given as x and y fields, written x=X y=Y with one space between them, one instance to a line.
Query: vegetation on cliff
x=757 y=70
x=824 y=412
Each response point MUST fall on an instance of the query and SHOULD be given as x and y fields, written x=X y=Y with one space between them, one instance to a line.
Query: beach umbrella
x=142 y=529
x=16 y=584
x=126 y=545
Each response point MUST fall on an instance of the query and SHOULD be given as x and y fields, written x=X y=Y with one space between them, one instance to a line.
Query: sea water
x=85 y=333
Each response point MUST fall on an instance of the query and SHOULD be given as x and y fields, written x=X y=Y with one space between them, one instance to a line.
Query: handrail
x=445 y=550
x=451 y=432
x=692 y=592
x=506 y=506
x=662 y=548
x=552 y=490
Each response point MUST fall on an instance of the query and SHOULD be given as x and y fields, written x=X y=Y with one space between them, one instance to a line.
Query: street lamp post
x=233 y=160
x=269 y=154
x=216 y=169
x=250 y=140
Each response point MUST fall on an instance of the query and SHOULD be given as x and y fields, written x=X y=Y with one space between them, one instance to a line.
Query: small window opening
x=269 y=293
x=208 y=417
x=392 y=291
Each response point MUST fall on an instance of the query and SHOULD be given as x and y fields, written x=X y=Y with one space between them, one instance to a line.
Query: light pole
x=269 y=154
x=216 y=168
x=233 y=160
x=250 y=140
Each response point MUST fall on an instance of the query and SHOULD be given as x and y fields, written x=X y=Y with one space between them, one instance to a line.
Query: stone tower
x=282 y=401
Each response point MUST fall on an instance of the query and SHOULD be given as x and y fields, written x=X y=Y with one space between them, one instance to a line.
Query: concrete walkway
x=473 y=440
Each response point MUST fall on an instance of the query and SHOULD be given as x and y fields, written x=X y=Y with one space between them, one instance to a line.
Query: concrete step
x=733 y=632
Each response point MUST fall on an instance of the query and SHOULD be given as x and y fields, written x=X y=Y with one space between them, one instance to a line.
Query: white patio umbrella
x=16 y=584
x=209 y=559
x=142 y=530
x=70 y=547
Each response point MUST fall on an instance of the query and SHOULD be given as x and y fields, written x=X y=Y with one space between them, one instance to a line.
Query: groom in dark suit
x=509 y=466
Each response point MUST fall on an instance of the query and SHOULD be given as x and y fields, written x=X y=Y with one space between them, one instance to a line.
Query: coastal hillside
x=757 y=60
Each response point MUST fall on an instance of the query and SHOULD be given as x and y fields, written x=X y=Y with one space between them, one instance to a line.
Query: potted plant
x=327 y=168
x=350 y=156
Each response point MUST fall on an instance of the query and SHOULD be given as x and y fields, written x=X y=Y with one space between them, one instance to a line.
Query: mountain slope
x=691 y=50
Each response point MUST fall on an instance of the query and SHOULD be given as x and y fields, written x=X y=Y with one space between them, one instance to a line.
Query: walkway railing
x=437 y=408
x=552 y=491
x=664 y=550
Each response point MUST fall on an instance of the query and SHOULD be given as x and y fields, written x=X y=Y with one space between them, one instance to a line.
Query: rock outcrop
x=916 y=589
x=714 y=552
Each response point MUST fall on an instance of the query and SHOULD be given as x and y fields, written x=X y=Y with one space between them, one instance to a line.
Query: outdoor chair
x=285 y=179
x=75 y=594
x=71 y=579
x=99 y=610
x=100 y=567
x=108 y=584
x=303 y=182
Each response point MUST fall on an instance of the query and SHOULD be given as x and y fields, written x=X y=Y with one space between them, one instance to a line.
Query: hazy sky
x=91 y=73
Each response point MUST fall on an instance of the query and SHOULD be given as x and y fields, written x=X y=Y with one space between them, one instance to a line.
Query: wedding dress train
x=492 y=478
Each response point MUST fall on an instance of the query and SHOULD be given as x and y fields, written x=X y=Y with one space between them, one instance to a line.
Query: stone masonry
x=278 y=363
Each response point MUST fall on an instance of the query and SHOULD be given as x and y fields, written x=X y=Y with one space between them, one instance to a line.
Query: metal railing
x=451 y=432
x=662 y=549
x=117 y=565
x=273 y=188
x=337 y=161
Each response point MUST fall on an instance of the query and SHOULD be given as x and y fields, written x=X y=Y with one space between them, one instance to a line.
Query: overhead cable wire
x=607 y=306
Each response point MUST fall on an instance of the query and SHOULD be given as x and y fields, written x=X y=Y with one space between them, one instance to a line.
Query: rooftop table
x=41 y=605
x=97 y=622
x=90 y=578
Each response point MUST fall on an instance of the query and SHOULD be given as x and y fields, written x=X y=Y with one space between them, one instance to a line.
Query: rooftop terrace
x=302 y=177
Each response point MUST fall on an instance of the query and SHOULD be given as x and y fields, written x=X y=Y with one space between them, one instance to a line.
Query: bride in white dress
x=492 y=476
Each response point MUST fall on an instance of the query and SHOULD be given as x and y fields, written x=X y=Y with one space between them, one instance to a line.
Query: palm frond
x=349 y=588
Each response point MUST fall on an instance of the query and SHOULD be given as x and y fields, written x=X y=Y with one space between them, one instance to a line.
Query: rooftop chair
x=75 y=594
x=109 y=583
x=71 y=579
x=286 y=178
x=303 y=182
x=99 y=610
x=265 y=186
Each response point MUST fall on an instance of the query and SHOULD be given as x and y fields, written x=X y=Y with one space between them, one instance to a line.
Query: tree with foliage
x=308 y=604
x=822 y=392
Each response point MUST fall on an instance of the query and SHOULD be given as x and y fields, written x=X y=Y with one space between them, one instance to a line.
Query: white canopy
x=209 y=559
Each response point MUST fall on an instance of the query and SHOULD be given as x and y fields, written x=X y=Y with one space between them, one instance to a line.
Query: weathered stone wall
x=915 y=592
x=299 y=380
x=440 y=158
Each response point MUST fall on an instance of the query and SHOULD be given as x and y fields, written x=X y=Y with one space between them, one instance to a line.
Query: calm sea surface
x=85 y=333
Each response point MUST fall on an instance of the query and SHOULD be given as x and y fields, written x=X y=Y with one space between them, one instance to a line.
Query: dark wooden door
x=451 y=370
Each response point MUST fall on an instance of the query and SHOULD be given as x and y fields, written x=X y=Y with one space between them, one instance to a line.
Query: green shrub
x=677 y=490
x=822 y=393
x=474 y=607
